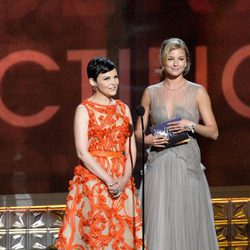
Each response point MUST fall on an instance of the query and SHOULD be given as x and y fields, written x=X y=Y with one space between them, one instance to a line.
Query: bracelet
x=191 y=127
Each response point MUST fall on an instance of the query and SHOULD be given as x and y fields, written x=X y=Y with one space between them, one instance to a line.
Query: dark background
x=40 y=158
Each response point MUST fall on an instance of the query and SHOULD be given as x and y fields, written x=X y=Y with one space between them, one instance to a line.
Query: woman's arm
x=209 y=129
x=130 y=149
x=130 y=153
x=81 y=142
x=149 y=139
x=145 y=102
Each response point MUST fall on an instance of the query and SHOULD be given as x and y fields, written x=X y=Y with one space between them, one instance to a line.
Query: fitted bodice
x=183 y=104
x=108 y=126
x=167 y=104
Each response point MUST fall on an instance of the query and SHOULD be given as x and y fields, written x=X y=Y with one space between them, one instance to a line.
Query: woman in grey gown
x=178 y=209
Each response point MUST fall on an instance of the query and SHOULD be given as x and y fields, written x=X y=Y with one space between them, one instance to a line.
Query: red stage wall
x=46 y=44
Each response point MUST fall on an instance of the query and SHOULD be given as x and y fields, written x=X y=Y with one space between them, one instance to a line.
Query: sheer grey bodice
x=183 y=103
x=167 y=104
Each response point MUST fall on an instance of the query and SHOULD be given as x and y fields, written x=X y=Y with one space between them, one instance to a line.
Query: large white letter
x=45 y=114
x=228 y=84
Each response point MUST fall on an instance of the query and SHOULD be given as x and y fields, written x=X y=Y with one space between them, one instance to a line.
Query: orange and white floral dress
x=93 y=218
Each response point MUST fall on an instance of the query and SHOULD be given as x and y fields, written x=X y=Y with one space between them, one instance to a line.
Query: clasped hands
x=116 y=187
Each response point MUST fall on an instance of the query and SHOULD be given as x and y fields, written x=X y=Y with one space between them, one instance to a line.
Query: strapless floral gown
x=93 y=219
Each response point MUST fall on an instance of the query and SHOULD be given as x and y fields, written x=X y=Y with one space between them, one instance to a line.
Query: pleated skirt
x=178 y=209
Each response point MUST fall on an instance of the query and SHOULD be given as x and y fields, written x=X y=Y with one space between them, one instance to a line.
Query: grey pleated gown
x=178 y=209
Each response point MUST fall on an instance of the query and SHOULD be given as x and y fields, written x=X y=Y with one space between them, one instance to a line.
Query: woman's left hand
x=180 y=126
x=117 y=187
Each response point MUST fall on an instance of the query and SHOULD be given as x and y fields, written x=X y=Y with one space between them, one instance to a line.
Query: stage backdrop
x=46 y=44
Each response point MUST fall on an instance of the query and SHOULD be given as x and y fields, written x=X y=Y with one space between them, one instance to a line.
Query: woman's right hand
x=114 y=188
x=156 y=141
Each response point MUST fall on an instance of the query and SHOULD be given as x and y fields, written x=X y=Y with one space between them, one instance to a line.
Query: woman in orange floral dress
x=102 y=211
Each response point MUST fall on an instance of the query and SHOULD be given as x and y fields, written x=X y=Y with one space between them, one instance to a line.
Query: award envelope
x=173 y=138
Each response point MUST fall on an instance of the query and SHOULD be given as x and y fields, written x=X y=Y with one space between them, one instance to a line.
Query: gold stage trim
x=36 y=227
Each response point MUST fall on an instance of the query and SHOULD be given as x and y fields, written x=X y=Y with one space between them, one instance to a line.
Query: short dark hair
x=99 y=65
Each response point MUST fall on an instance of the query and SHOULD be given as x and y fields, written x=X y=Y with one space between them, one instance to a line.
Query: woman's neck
x=101 y=99
x=174 y=84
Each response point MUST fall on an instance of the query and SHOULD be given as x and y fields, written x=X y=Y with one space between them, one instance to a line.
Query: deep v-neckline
x=172 y=114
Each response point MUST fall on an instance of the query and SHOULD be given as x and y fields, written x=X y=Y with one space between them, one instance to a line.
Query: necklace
x=180 y=87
